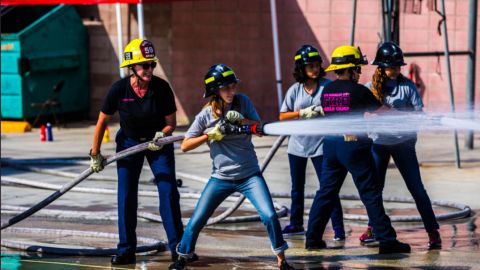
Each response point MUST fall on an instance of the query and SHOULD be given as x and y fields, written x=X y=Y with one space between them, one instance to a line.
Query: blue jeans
x=162 y=163
x=340 y=157
x=215 y=192
x=405 y=157
x=298 y=166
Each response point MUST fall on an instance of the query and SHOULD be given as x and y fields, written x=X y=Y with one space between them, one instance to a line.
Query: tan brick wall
x=192 y=35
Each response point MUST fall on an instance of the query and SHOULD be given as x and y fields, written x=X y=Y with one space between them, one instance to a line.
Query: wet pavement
x=238 y=245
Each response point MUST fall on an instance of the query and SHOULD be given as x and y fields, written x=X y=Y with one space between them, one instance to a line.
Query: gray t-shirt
x=403 y=96
x=295 y=99
x=233 y=157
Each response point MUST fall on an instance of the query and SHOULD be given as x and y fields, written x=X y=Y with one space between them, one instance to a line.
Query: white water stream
x=382 y=123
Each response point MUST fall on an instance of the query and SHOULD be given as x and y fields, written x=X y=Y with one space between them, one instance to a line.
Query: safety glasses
x=357 y=70
x=146 y=66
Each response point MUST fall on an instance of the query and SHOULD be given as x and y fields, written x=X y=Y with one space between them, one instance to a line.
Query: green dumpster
x=43 y=46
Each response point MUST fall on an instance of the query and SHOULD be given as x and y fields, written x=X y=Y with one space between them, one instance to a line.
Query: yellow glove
x=96 y=162
x=234 y=116
x=308 y=112
x=215 y=134
x=152 y=146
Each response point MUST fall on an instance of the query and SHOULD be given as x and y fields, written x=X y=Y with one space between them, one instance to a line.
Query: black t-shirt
x=140 y=117
x=345 y=97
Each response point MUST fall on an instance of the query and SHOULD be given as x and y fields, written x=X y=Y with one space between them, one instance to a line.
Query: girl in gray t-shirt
x=234 y=163
x=302 y=101
x=395 y=91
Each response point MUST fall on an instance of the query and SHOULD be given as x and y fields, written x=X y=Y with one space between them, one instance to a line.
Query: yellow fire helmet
x=138 y=51
x=347 y=56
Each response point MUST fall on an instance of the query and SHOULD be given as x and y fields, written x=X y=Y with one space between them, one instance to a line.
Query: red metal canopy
x=77 y=2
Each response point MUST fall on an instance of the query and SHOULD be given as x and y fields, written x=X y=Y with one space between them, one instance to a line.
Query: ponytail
x=378 y=84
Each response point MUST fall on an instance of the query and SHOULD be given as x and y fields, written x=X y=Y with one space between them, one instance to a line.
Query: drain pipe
x=354 y=17
x=449 y=77
x=118 y=12
x=472 y=45
x=276 y=52
x=141 y=24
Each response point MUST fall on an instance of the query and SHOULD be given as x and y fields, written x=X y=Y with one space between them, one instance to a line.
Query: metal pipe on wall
x=118 y=12
x=387 y=20
x=354 y=18
x=471 y=70
x=434 y=53
x=276 y=52
x=141 y=23
x=396 y=22
x=449 y=77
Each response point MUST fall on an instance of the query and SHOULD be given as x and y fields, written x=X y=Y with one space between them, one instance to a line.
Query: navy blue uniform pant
x=162 y=164
x=405 y=158
x=340 y=157
x=298 y=166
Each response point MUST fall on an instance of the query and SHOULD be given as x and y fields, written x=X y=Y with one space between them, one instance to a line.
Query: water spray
x=399 y=123
x=395 y=123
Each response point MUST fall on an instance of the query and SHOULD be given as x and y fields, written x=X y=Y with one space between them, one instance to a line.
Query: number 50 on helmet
x=138 y=51
x=345 y=57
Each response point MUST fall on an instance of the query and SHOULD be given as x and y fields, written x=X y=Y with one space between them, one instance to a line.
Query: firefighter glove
x=215 y=134
x=308 y=112
x=234 y=116
x=319 y=109
x=96 y=162
x=152 y=146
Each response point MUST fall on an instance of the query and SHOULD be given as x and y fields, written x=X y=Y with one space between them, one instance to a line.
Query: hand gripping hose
x=130 y=151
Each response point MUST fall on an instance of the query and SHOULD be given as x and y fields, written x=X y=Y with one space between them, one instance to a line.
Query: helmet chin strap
x=136 y=74
x=222 y=104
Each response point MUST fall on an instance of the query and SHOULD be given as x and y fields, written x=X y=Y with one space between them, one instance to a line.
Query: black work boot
x=316 y=246
x=179 y=264
x=285 y=266
x=393 y=247
x=434 y=240
x=120 y=259
x=192 y=258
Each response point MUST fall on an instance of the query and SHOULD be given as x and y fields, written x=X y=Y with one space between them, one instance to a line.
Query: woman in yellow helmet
x=146 y=106
x=345 y=97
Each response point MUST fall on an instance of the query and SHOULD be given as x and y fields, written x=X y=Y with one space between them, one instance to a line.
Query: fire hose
x=82 y=176
x=87 y=251
x=158 y=245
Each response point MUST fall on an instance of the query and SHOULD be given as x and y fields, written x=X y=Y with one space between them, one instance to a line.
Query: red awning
x=77 y=2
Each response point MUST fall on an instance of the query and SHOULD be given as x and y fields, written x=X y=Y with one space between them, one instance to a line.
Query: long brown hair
x=216 y=103
x=379 y=80
x=378 y=84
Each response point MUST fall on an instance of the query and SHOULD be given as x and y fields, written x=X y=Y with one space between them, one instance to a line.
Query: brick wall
x=101 y=23
x=192 y=35
x=240 y=35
